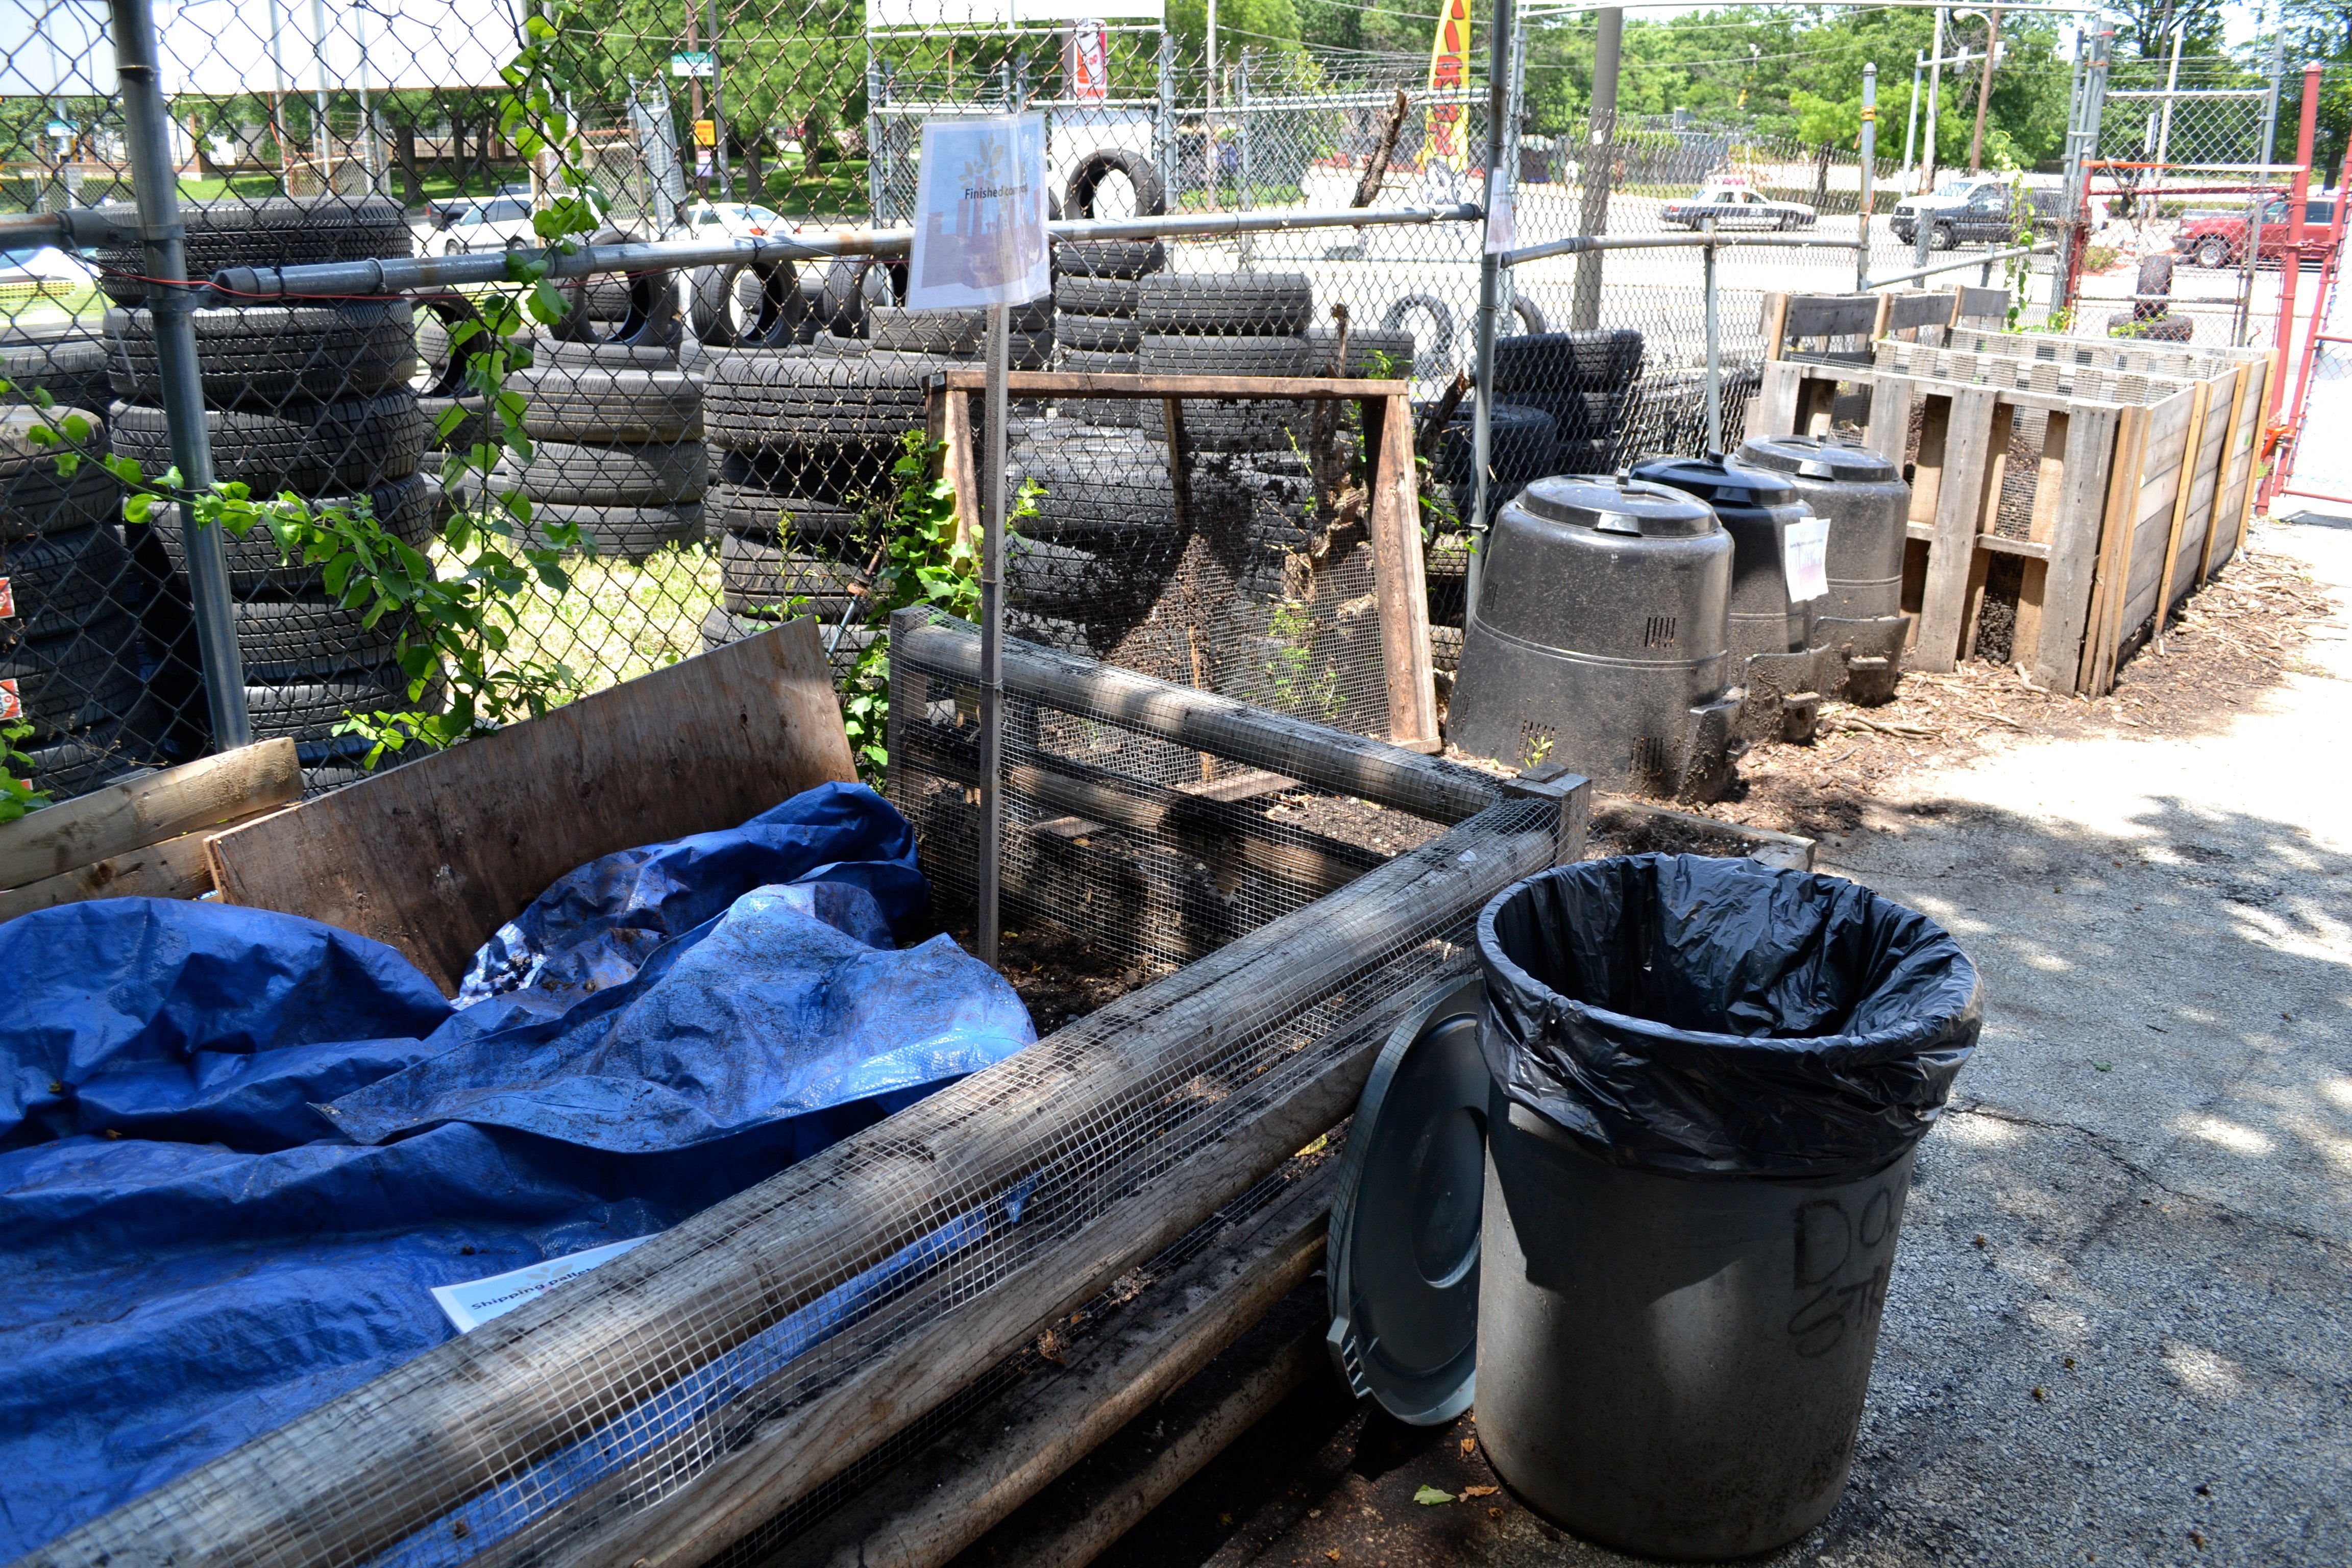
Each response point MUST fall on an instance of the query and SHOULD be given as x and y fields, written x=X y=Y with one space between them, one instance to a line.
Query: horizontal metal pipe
x=1957 y=266
x=1578 y=244
x=406 y=275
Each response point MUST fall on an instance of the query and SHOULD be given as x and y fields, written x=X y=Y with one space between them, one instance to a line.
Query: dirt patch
x=1356 y=822
x=1614 y=834
x=2240 y=634
x=1059 y=978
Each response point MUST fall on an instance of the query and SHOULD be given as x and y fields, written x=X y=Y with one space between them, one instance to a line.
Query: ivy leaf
x=1430 y=1496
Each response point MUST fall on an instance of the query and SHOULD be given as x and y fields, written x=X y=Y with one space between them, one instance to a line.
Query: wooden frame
x=2136 y=491
x=1393 y=524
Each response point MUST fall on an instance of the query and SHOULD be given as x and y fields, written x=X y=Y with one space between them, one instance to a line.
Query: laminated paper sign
x=979 y=215
x=477 y=1301
x=1804 y=554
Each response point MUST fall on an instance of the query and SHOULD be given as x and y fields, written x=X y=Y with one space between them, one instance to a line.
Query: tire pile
x=618 y=453
x=314 y=399
x=70 y=652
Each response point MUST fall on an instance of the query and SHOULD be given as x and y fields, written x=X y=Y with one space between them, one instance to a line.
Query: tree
x=2145 y=27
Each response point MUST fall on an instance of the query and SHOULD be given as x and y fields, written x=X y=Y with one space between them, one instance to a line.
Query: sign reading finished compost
x=979 y=215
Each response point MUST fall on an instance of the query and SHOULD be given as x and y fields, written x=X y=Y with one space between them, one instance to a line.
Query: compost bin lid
x=1817 y=458
x=1403 y=1252
x=1717 y=481
x=1618 y=506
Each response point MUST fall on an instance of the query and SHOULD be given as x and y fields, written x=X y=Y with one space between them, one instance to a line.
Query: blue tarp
x=237 y=1148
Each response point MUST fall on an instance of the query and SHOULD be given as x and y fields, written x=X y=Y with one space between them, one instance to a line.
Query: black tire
x=1097 y=296
x=20 y=455
x=753 y=400
x=280 y=231
x=1521 y=444
x=81 y=762
x=618 y=308
x=1579 y=415
x=1098 y=334
x=1379 y=354
x=754 y=575
x=748 y=306
x=300 y=638
x=1086 y=180
x=1065 y=582
x=1439 y=317
x=70 y=369
x=1109 y=258
x=2152 y=330
x=1100 y=483
x=84 y=677
x=1103 y=413
x=844 y=474
x=1226 y=303
x=655 y=473
x=61 y=581
x=2213 y=252
x=35 y=502
x=1236 y=426
x=310 y=709
x=763 y=515
x=836 y=305
x=621 y=532
x=1604 y=359
x=310 y=449
x=1943 y=237
x=407 y=509
x=1168 y=353
x=269 y=354
x=963 y=334
x=546 y=349
x=589 y=402
x=1589 y=457
x=1530 y=318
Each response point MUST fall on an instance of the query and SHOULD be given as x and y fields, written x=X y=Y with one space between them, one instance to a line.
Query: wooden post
x=2180 y=507
x=1776 y=319
x=1395 y=530
x=950 y=421
x=1180 y=478
x=1953 y=486
x=2221 y=481
x=2115 y=552
x=2089 y=450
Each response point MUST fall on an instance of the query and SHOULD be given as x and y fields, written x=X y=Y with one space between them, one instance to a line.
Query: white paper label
x=1501 y=228
x=1804 y=556
x=477 y=1301
x=980 y=214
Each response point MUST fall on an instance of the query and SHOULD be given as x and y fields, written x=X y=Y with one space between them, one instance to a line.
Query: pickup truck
x=1979 y=213
x=2218 y=239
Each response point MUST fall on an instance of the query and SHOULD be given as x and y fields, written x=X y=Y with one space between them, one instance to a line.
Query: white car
x=742 y=219
x=1736 y=206
x=37 y=272
x=480 y=223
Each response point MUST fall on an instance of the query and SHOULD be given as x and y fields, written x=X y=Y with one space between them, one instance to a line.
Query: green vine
x=456 y=622
x=17 y=795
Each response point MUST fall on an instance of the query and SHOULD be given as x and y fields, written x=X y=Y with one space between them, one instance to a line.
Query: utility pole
x=1869 y=167
x=1984 y=90
x=1213 y=88
x=719 y=110
x=1911 y=123
x=2171 y=85
x=1596 y=169
x=694 y=100
x=1935 y=79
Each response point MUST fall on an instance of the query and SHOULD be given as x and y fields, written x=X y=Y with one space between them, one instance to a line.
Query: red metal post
x=2283 y=465
x=2291 y=265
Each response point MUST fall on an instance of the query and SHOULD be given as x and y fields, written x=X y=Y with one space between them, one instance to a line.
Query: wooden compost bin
x=2112 y=489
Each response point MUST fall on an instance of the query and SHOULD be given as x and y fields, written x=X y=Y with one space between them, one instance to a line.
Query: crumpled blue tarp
x=714 y=1009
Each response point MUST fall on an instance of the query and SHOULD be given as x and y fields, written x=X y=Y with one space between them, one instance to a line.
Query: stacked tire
x=70 y=660
x=805 y=438
x=1198 y=324
x=1583 y=379
x=315 y=400
x=617 y=453
x=1105 y=539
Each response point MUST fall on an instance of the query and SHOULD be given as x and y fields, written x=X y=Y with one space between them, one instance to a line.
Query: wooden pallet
x=2133 y=497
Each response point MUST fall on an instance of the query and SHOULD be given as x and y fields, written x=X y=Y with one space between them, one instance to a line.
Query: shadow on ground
x=2116 y=1333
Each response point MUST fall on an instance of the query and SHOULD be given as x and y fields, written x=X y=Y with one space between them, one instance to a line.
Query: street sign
x=694 y=62
x=705 y=133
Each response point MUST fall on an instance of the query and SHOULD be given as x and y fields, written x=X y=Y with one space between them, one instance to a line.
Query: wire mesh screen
x=940 y=1234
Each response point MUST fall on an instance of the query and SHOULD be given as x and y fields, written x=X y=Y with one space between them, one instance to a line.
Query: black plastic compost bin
x=1708 y=1080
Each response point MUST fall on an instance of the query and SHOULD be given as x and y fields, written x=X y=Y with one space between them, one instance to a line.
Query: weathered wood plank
x=2193 y=446
x=1776 y=319
x=932 y=1507
x=950 y=424
x=111 y=822
x=1394 y=528
x=1829 y=315
x=1076 y=383
x=175 y=869
x=1911 y=310
x=1973 y=304
x=2080 y=493
x=2114 y=553
x=1965 y=464
x=1773 y=410
x=433 y=856
x=2238 y=469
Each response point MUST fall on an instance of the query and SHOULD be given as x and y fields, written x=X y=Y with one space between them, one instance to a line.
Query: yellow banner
x=1449 y=72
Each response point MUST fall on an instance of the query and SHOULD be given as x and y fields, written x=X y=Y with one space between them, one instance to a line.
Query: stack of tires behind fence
x=313 y=399
x=1583 y=381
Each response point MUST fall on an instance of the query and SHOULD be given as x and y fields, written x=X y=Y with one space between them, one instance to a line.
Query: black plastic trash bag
x=1704 y=1017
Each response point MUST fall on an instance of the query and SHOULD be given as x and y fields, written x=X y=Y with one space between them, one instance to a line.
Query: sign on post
x=1086 y=62
x=979 y=215
x=693 y=62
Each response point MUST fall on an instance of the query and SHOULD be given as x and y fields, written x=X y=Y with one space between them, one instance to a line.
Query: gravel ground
x=2116 y=1333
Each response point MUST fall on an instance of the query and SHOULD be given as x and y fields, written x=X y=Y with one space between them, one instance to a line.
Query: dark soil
x=1357 y=821
x=1612 y=834
x=1060 y=979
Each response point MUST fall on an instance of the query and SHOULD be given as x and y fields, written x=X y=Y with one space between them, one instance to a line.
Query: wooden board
x=110 y=822
x=1953 y=478
x=1397 y=574
x=1910 y=311
x=1830 y=316
x=175 y=868
x=2086 y=448
x=436 y=855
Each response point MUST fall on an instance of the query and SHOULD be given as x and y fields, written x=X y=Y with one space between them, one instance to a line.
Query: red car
x=2217 y=238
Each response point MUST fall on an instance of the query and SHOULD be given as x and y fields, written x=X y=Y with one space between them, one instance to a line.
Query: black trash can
x=1708 y=1080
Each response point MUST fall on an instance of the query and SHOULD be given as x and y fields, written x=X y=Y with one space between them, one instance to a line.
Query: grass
x=622 y=619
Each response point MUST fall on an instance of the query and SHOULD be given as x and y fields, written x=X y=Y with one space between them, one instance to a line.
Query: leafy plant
x=17 y=795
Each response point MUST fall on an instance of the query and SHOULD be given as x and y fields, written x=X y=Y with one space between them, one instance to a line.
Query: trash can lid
x=1718 y=480
x=1618 y=506
x=1818 y=457
x=1403 y=1258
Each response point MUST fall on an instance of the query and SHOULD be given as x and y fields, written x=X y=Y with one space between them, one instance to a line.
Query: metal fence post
x=1713 y=352
x=1490 y=304
x=1163 y=124
x=1869 y=167
x=156 y=189
x=1595 y=171
x=1241 y=202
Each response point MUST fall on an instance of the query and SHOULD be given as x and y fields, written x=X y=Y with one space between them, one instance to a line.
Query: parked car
x=1904 y=215
x=739 y=218
x=481 y=223
x=1986 y=215
x=40 y=272
x=1737 y=207
x=2218 y=239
